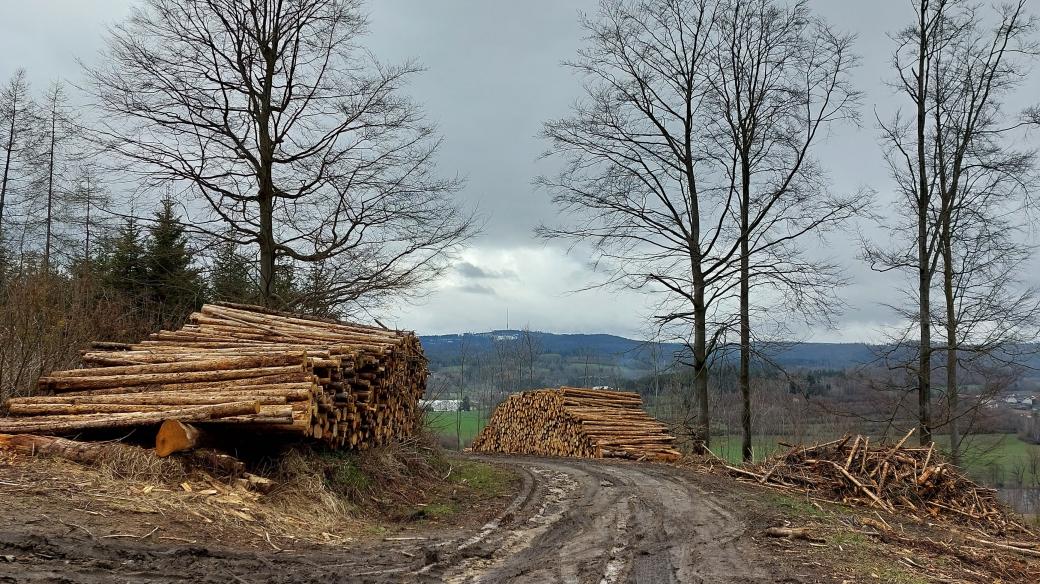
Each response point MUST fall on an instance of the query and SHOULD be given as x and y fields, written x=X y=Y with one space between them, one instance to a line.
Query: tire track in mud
x=620 y=522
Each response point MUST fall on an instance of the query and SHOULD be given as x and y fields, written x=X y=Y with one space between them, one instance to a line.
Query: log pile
x=256 y=370
x=894 y=478
x=584 y=423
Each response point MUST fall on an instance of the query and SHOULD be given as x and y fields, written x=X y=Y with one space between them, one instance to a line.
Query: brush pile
x=241 y=367
x=575 y=422
x=890 y=477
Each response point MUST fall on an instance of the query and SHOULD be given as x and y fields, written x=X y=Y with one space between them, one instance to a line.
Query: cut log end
x=175 y=436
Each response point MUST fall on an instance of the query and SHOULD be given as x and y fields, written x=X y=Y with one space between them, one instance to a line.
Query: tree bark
x=924 y=365
x=50 y=185
x=745 y=312
x=7 y=161
x=702 y=431
x=952 y=395
x=82 y=452
x=68 y=424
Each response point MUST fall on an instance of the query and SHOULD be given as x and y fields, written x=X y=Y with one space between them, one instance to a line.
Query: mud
x=571 y=521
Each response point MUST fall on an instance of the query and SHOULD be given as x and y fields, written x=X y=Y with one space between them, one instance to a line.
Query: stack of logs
x=852 y=470
x=575 y=422
x=257 y=370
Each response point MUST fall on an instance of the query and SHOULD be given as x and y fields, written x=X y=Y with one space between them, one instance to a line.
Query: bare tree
x=781 y=78
x=463 y=353
x=983 y=183
x=89 y=199
x=57 y=151
x=907 y=151
x=635 y=174
x=296 y=141
x=17 y=112
x=960 y=177
x=688 y=164
x=531 y=349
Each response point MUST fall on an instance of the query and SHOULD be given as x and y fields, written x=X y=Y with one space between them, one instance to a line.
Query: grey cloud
x=475 y=272
x=477 y=289
x=493 y=77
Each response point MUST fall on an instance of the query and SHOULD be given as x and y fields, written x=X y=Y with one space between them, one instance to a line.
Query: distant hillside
x=633 y=355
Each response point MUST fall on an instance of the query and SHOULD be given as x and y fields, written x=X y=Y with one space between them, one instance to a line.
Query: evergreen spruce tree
x=174 y=286
x=232 y=278
x=123 y=263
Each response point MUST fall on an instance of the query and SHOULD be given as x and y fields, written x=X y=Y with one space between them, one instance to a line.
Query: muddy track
x=610 y=523
x=573 y=521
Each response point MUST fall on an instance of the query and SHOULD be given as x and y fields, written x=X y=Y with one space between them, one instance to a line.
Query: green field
x=993 y=459
x=447 y=424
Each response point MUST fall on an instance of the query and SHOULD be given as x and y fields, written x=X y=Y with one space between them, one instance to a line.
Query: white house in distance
x=440 y=405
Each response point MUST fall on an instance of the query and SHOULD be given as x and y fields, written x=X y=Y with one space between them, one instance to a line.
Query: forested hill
x=447 y=350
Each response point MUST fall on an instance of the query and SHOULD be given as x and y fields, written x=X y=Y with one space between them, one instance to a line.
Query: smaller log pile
x=242 y=367
x=575 y=422
x=890 y=477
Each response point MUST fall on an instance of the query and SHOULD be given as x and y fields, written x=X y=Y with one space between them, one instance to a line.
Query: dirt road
x=572 y=521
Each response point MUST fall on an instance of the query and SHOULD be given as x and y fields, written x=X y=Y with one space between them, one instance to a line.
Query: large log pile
x=347 y=385
x=575 y=422
x=894 y=477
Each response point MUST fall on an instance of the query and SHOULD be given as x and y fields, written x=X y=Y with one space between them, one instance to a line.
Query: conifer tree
x=174 y=285
x=231 y=278
x=123 y=262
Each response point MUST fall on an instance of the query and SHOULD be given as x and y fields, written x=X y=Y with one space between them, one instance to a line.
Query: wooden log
x=75 y=423
x=176 y=436
x=82 y=452
x=225 y=363
x=103 y=382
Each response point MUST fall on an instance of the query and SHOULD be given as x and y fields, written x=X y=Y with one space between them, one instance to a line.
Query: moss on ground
x=486 y=479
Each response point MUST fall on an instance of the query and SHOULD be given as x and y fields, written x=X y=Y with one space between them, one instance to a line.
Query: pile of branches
x=890 y=477
x=242 y=369
x=575 y=422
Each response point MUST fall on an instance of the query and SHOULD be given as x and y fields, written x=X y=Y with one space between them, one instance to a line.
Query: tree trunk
x=702 y=432
x=50 y=188
x=267 y=251
x=7 y=164
x=745 y=316
x=952 y=395
x=266 y=185
x=81 y=452
x=924 y=365
x=70 y=424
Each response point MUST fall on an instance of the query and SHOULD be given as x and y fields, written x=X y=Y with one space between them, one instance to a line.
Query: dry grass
x=320 y=496
x=132 y=463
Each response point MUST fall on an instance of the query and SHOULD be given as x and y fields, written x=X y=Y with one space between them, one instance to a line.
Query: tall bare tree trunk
x=745 y=313
x=50 y=186
x=7 y=166
x=702 y=438
x=952 y=395
x=266 y=175
x=924 y=365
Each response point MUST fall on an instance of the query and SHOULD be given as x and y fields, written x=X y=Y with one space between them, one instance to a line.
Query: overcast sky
x=493 y=77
